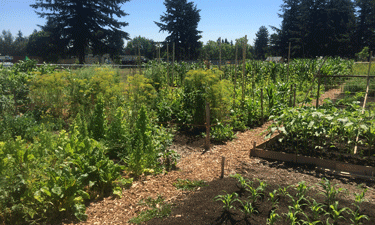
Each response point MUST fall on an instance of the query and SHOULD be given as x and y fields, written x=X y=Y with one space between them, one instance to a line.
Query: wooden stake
x=168 y=64
x=288 y=61
x=364 y=102
x=261 y=104
x=291 y=95
x=318 y=74
x=139 y=58
x=295 y=92
x=208 y=126
x=254 y=146
x=243 y=70
x=222 y=167
x=317 y=94
x=219 y=53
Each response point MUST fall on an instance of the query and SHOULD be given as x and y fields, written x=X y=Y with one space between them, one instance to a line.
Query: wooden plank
x=270 y=141
x=355 y=169
x=273 y=155
x=325 y=164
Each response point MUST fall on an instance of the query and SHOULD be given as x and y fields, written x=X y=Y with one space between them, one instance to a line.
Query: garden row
x=67 y=136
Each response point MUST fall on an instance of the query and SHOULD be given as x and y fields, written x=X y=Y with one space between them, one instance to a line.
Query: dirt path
x=193 y=166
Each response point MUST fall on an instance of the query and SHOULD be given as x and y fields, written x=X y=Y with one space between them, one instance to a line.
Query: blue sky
x=229 y=19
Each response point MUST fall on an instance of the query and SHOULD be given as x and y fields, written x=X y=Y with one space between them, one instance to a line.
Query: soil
x=198 y=207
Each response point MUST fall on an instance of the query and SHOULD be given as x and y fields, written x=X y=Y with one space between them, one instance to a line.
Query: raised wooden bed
x=323 y=165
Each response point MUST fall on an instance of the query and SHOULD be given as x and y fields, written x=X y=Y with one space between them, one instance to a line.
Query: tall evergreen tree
x=317 y=27
x=290 y=27
x=365 y=24
x=261 y=42
x=80 y=21
x=181 y=22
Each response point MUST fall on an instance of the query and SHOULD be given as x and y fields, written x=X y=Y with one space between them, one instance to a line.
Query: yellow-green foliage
x=139 y=90
x=205 y=85
x=63 y=93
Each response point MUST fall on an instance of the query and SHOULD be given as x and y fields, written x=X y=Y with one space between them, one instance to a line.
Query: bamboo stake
x=139 y=60
x=317 y=94
x=168 y=63
x=208 y=125
x=318 y=74
x=173 y=63
x=261 y=104
x=235 y=77
x=219 y=53
x=243 y=70
x=364 y=102
x=288 y=61
x=295 y=92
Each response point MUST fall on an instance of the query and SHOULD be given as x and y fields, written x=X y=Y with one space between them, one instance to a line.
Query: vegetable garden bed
x=342 y=164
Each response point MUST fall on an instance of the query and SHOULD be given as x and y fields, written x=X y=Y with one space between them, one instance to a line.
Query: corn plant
x=329 y=191
x=302 y=189
x=335 y=213
x=316 y=209
x=274 y=217
x=254 y=194
x=227 y=200
x=247 y=208
x=283 y=190
x=241 y=181
x=292 y=217
x=355 y=215
x=274 y=198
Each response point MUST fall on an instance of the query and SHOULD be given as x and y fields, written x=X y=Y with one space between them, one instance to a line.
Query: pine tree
x=365 y=24
x=81 y=20
x=261 y=42
x=181 y=22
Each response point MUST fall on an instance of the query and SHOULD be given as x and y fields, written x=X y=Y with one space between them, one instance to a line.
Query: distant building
x=277 y=59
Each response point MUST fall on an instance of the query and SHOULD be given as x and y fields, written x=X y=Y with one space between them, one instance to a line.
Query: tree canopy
x=181 y=22
x=147 y=47
x=86 y=24
x=261 y=42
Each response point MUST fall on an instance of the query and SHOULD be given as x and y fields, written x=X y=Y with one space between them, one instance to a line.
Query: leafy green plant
x=227 y=200
x=188 y=185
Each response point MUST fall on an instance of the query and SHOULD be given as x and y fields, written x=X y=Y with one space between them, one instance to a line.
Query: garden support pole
x=222 y=167
x=208 y=126
x=317 y=94
x=261 y=105
x=139 y=58
x=235 y=76
x=364 y=102
x=291 y=95
x=173 y=62
x=169 y=79
x=287 y=79
x=243 y=71
x=312 y=83
x=219 y=53
x=295 y=92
